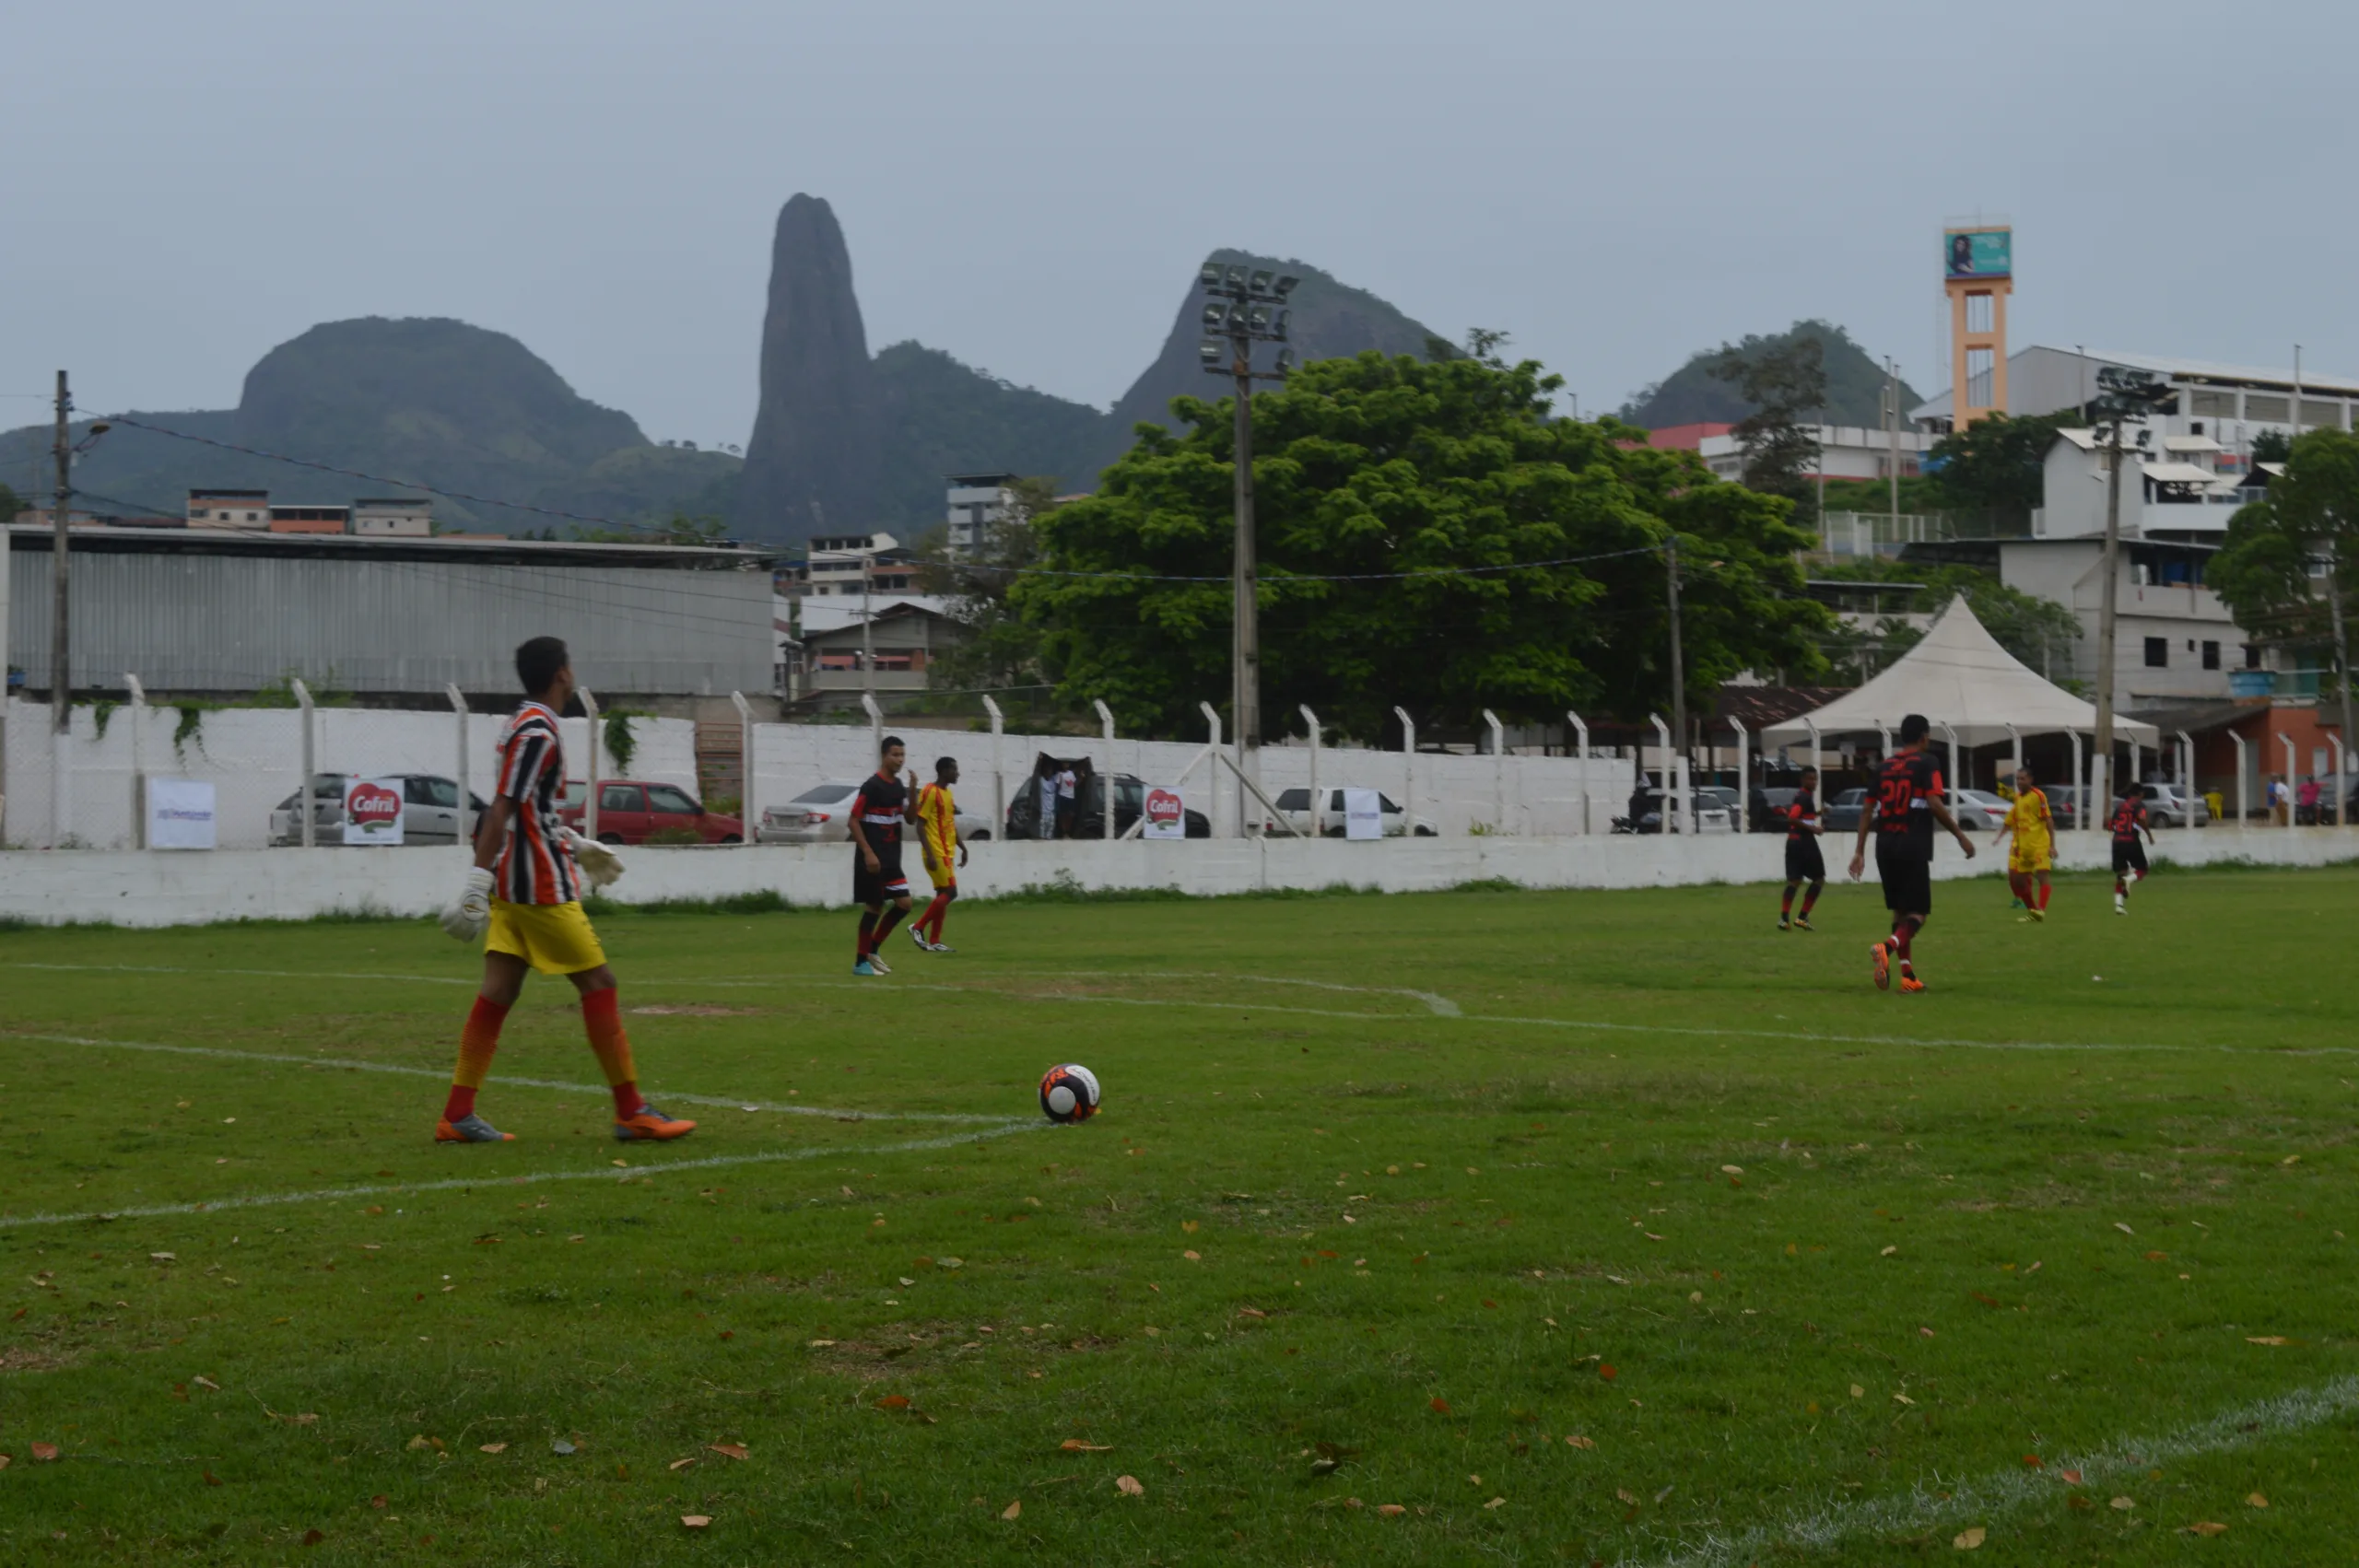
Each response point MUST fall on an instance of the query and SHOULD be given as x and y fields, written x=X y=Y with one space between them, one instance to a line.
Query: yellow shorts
x=556 y=939
x=942 y=872
x=2019 y=861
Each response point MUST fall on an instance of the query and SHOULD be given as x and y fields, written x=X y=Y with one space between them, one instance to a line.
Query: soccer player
x=2129 y=854
x=883 y=803
x=1804 y=863
x=938 y=838
x=2035 y=832
x=1902 y=810
x=526 y=891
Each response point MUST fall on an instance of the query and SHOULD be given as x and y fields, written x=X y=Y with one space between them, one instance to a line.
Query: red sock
x=601 y=1018
x=2120 y=888
x=1786 y=905
x=1900 y=935
x=2044 y=891
x=478 y=1041
x=2021 y=884
x=1810 y=899
x=931 y=921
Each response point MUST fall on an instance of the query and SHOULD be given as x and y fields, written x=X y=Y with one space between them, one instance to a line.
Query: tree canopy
x=1998 y=463
x=2038 y=631
x=1460 y=504
x=1785 y=381
x=2309 y=519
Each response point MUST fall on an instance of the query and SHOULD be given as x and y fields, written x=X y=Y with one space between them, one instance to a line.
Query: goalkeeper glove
x=470 y=916
x=598 y=861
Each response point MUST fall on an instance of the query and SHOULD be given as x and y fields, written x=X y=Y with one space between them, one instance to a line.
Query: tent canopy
x=1960 y=676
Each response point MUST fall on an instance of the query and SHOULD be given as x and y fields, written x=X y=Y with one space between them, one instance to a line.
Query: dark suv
x=1089 y=809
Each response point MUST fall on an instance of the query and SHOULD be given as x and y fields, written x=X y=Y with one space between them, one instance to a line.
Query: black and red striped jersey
x=882 y=803
x=2128 y=816
x=534 y=866
x=1802 y=811
x=1905 y=786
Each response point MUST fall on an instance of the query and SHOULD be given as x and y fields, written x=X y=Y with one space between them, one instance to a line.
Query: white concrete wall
x=159 y=888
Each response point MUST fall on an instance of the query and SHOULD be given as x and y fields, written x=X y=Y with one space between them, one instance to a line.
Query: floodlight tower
x=1978 y=264
x=1243 y=307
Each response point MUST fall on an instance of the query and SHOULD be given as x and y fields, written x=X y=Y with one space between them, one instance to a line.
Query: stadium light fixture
x=1215 y=316
x=1211 y=352
x=1257 y=318
x=1211 y=275
x=1285 y=286
x=1280 y=323
x=1237 y=277
x=1260 y=280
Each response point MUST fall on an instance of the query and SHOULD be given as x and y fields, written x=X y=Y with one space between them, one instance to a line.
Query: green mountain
x=422 y=399
x=1693 y=396
x=942 y=416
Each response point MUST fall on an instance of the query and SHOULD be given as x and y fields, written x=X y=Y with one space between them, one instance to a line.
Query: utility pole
x=1678 y=687
x=2342 y=654
x=1892 y=426
x=2123 y=395
x=1245 y=308
x=61 y=683
x=867 y=621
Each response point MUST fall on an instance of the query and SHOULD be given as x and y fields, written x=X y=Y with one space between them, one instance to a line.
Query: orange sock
x=476 y=1043
x=601 y=1016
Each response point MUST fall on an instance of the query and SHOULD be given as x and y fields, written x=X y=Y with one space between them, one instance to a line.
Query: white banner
x=1363 y=813
x=180 y=814
x=1166 y=817
x=372 y=811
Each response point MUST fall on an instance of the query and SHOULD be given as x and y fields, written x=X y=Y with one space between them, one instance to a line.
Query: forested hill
x=1693 y=396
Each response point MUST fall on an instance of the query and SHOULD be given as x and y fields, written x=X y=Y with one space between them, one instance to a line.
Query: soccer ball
x=1069 y=1093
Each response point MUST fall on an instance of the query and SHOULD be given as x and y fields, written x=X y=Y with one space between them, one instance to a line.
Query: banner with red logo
x=1166 y=816
x=372 y=811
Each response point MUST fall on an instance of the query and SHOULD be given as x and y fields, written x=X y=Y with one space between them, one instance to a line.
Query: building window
x=2211 y=655
x=2158 y=652
x=2252 y=656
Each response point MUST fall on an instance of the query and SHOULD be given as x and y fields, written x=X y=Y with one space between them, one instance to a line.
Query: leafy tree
x=10 y=504
x=2038 y=631
x=998 y=647
x=2308 y=516
x=1785 y=383
x=2272 y=446
x=681 y=530
x=1410 y=472
x=1999 y=464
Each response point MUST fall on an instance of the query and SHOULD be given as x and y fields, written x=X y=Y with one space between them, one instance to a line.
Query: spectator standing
x=1066 y=800
x=2308 y=800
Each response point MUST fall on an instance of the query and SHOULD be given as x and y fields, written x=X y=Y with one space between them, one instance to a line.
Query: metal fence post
x=1580 y=745
x=1106 y=775
x=2080 y=794
x=138 y=756
x=1743 y=774
x=2242 y=769
x=1670 y=822
x=2186 y=775
x=2016 y=736
x=1954 y=784
x=1212 y=717
x=307 y=808
x=999 y=779
x=589 y=783
x=458 y=700
x=1498 y=766
x=875 y=727
x=1408 y=771
x=2340 y=754
x=2291 y=814
x=746 y=728
x=1317 y=812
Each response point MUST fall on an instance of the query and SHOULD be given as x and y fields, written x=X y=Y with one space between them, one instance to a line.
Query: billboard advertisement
x=372 y=811
x=1166 y=814
x=1979 y=253
x=180 y=814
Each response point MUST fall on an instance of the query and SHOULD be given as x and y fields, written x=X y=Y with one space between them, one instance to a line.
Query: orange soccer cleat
x=649 y=1122
x=1910 y=984
x=470 y=1129
x=1881 y=956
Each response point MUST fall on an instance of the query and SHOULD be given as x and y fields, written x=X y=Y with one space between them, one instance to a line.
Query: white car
x=429 y=811
x=822 y=815
x=1980 y=811
x=1294 y=808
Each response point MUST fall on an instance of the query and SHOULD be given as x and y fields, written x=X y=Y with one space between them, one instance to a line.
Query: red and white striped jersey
x=534 y=866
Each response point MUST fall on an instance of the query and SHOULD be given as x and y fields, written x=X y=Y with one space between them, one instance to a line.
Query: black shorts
x=1804 y=860
x=881 y=886
x=1908 y=879
x=2129 y=857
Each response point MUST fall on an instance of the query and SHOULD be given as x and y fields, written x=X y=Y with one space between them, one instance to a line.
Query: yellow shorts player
x=524 y=898
x=2035 y=847
x=945 y=853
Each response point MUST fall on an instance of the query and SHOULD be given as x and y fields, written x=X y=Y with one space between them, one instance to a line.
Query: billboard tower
x=1978 y=271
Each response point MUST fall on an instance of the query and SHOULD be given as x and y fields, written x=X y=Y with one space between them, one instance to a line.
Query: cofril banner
x=1363 y=814
x=372 y=811
x=1166 y=816
x=180 y=814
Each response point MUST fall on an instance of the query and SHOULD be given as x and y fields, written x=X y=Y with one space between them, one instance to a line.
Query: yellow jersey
x=2030 y=821
x=938 y=826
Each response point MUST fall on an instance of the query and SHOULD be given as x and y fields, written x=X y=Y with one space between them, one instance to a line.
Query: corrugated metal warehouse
x=193 y=611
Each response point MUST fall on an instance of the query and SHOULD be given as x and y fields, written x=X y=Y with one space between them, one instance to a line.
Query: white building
x=229 y=508
x=977 y=501
x=1844 y=452
x=854 y=563
x=393 y=518
x=2227 y=403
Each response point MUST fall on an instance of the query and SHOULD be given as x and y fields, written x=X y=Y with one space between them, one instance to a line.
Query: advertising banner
x=180 y=814
x=1166 y=817
x=1979 y=253
x=372 y=811
x=1363 y=814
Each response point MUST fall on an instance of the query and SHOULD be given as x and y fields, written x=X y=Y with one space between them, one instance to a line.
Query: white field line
x=1938 y=1504
x=264 y=974
x=1435 y=1003
x=353 y=1065
x=710 y=1163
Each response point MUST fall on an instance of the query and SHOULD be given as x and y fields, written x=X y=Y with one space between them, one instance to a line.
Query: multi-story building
x=1844 y=452
x=311 y=520
x=977 y=501
x=393 y=518
x=2227 y=403
x=229 y=508
x=854 y=563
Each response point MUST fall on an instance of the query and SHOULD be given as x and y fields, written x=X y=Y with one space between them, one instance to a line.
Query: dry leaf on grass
x=894 y=1402
x=2122 y=1503
x=681 y=1463
x=1013 y=1510
x=2207 y=1527
x=313 y=1537
x=1970 y=1539
x=696 y=1521
x=44 y=1452
x=206 y=1383
x=378 y=1500
x=1128 y=1486
x=1390 y=1510
x=1193 y=1255
x=491 y=1449
x=1580 y=1442
x=1188 y=1225
x=735 y=1450
x=1605 y=1370
x=1496 y=1503
x=1627 y=1496
x=2264 y=1338
x=1440 y=1406
x=2071 y=1478
x=2256 y=1500
x=1857 y=1392
x=1076 y=1446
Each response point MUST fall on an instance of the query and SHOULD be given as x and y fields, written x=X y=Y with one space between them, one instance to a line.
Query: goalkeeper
x=524 y=897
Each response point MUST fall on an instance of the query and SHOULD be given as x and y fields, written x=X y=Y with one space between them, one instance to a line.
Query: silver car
x=429 y=811
x=822 y=815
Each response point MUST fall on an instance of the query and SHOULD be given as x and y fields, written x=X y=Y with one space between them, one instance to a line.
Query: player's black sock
x=1810 y=899
x=891 y=917
x=867 y=933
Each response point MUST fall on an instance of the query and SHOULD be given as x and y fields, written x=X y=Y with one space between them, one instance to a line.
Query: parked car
x=630 y=810
x=822 y=814
x=1843 y=811
x=1712 y=813
x=2167 y=806
x=1980 y=811
x=1294 y=808
x=430 y=810
x=1768 y=811
x=1089 y=809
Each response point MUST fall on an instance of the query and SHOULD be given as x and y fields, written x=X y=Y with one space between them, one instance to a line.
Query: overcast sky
x=1029 y=185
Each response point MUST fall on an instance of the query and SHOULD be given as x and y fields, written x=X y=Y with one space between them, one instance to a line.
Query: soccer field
x=1481 y=1226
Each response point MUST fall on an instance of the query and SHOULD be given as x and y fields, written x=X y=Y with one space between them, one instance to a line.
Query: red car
x=630 y=810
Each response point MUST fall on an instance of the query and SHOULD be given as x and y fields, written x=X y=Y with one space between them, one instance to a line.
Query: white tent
x=1961 y=679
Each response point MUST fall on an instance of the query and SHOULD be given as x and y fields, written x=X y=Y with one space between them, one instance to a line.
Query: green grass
x=2063 y=1248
